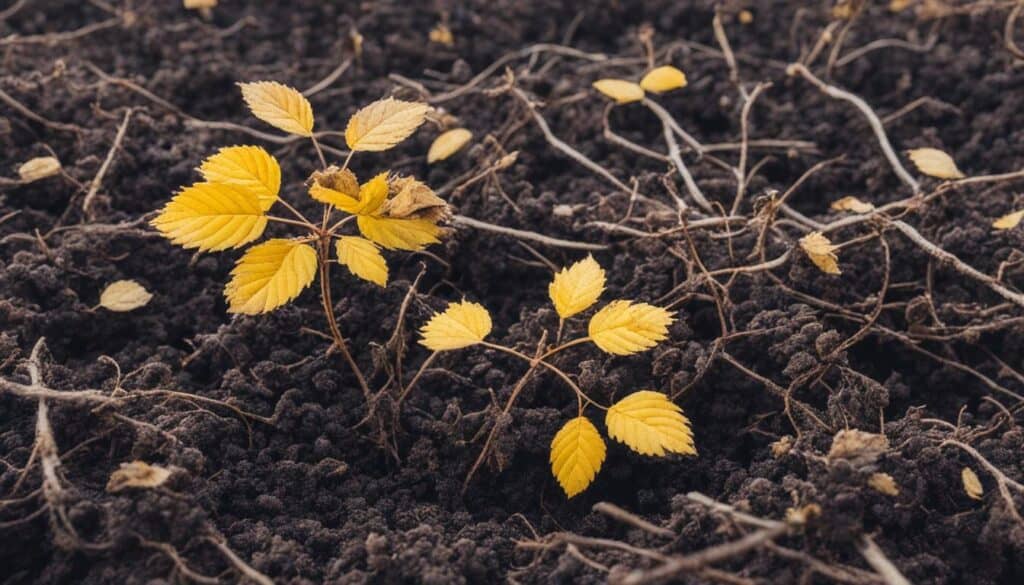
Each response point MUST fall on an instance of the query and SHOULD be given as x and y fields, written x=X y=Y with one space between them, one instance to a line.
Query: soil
x=266 y=449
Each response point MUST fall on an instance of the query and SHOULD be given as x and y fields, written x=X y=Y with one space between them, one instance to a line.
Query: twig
x=880 y=563
x=331 y=78
x=1008 y=31
x=613 y=511
x=243 y=567
x=98 y=179
x=461 y=220
x=24 y=111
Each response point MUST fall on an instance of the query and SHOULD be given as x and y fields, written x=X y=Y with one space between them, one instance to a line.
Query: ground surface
x=302 y=495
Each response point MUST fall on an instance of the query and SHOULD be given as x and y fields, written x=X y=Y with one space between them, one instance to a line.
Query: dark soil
x=315 y=498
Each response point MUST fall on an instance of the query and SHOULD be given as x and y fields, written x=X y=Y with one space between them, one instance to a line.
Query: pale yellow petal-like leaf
x=280 y=106
x=462 y=324
x=624 y=327
x=972 y=485
x=577 y=452
x=448 y=144
x=137 y=474
x=124 y=295
x=884 y=483
x=1009 y=221
x=249 y=167
x=663 y=79
x=821 y=251
x=38 y=168
x=399 y=234
x=650 y=424
x=576 y=288
x=269 y=275
x=212 y=216
x=851 y=203
x=200 y=4
x=935 y=163
x=383 y=124
x=620 y=90
x=363 y=258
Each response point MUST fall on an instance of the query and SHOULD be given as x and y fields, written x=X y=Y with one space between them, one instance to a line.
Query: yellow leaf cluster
x=269 y=275
x=625 y=327
x=461 y=325
x=650 y=424
x=658 y=80
x=577 y=452
x=124 y=295
x=280 y=106
x=576 y=288
x=363 y=258
x=821 y=251
x=383 y=124
x=448 y=144
x=935 y=163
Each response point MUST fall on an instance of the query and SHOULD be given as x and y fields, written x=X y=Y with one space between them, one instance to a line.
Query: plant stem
x=423 y=367
x=319 y=151
x=341 y=222
x=323 y=248
x=308 y=226
x=294 y=211
x=540 y=361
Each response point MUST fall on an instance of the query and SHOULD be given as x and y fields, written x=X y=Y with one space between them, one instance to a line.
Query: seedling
x=231 y=207
x=646 y=421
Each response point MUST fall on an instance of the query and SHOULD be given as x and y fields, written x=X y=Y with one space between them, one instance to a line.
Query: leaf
x=620 y=90
x=662 y=79
x=935 y=163
x=650 y=424
x=200 y=4
x=38 y=168
x=346 y=194
x=441 y=34
x=461 y=325
x=138 y=474
x=212 y=216
x=576 y=288
x=884 y=483
x=624 y=328
x=124 y=295
x=280 y=106
x=250 y=167
x=577 y=452
x=383 y=124
x=850 y=203
x=972 y=485
x=269 y=275
x=1009 y=221
x=414 y=200
x=448 y=144
x=363 y=258
x=399 y=234
x=821 y=251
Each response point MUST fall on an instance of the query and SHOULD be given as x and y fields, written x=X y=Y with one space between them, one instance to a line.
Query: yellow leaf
x=746 y=17
x=200 y=4
x=650 y=424
x=38 y=168
x=662 y=79
x=461 y=325
x=383 y=124
x=620 y=90
x=212 y=216
x=124 y=295
x=249 y=167
x=575 y=288
x=884 y=483
x=269 y=275
x=280 y=106
x=441 y=34
x=821 y=251
x=448 y=144
x=935 y=163
x=363 y=258
x=399 y=234
x=972 y=485
x=623 y=328
x=1009 y=221
x=853 y=204
x=345 y=194
x=577 y=452
x=137 y=474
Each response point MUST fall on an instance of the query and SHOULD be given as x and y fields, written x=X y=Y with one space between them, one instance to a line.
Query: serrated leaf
x=137 y=474
x=249 y=167
x=1009 y=221
x=663 y=79
x=850 y=203
x=821 y=251
x=620 y=90
x=280 y=106
x=269 y=275
x=363 y=258
x=576 y=288
x=624 y=327
x=577 y=452
x=383 y=124
x=399 y=234
x=462 y=324
x=972 y=485
x=448 y=144
x=212 y=216
x=935 y=163
x=650 y=424
x=339 y=188
x=124 y=295
x=38 y=168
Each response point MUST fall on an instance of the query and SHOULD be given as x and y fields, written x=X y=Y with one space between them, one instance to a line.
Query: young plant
x=646 y=421
x=242 y=184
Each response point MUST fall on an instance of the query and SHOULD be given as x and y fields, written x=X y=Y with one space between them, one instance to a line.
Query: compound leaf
x=269 y=275
x=383 y=124
x=650 y=424
x=462 y=324
x=577 y=452
x=363 y=258
x=576 y=288
x=624 y=328
x=212 y=216
x=249 y=167
x=280 y=106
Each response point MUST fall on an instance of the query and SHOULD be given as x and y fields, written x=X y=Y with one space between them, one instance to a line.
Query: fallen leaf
x=448 y=144
x=853 y=204
x=884 y=483
x=620 y=90
x=746 y=17
x=972 y=485
x=441 y=34
x=137 y=474
x=858 y=447
x=39 y=168
x=821 y=251
x=124 y=295
x=935 y=163
x=1009 y=221
x=663 y=79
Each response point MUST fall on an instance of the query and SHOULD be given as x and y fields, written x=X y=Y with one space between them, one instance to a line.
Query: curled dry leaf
x=38 y=168
x=280 y=106
x=269 y=275
x=625 y=327
x=663 y=79
x=972 y=485
x=858 y=447
x=821 y=251
x=413 y=199
x=383 y=124
x=650 y=424
x=124 y=295
x=884 y=483
x=363 y=258
x=462 y=324
x=620 y=90
x=137 y=474
x=935 y=163
x=1009 y=221
x=577 y=452
x=447 y=144
x=853 y=204
x=576 y=288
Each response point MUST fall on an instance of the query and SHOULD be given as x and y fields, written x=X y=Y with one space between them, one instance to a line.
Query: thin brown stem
x=332 y=322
